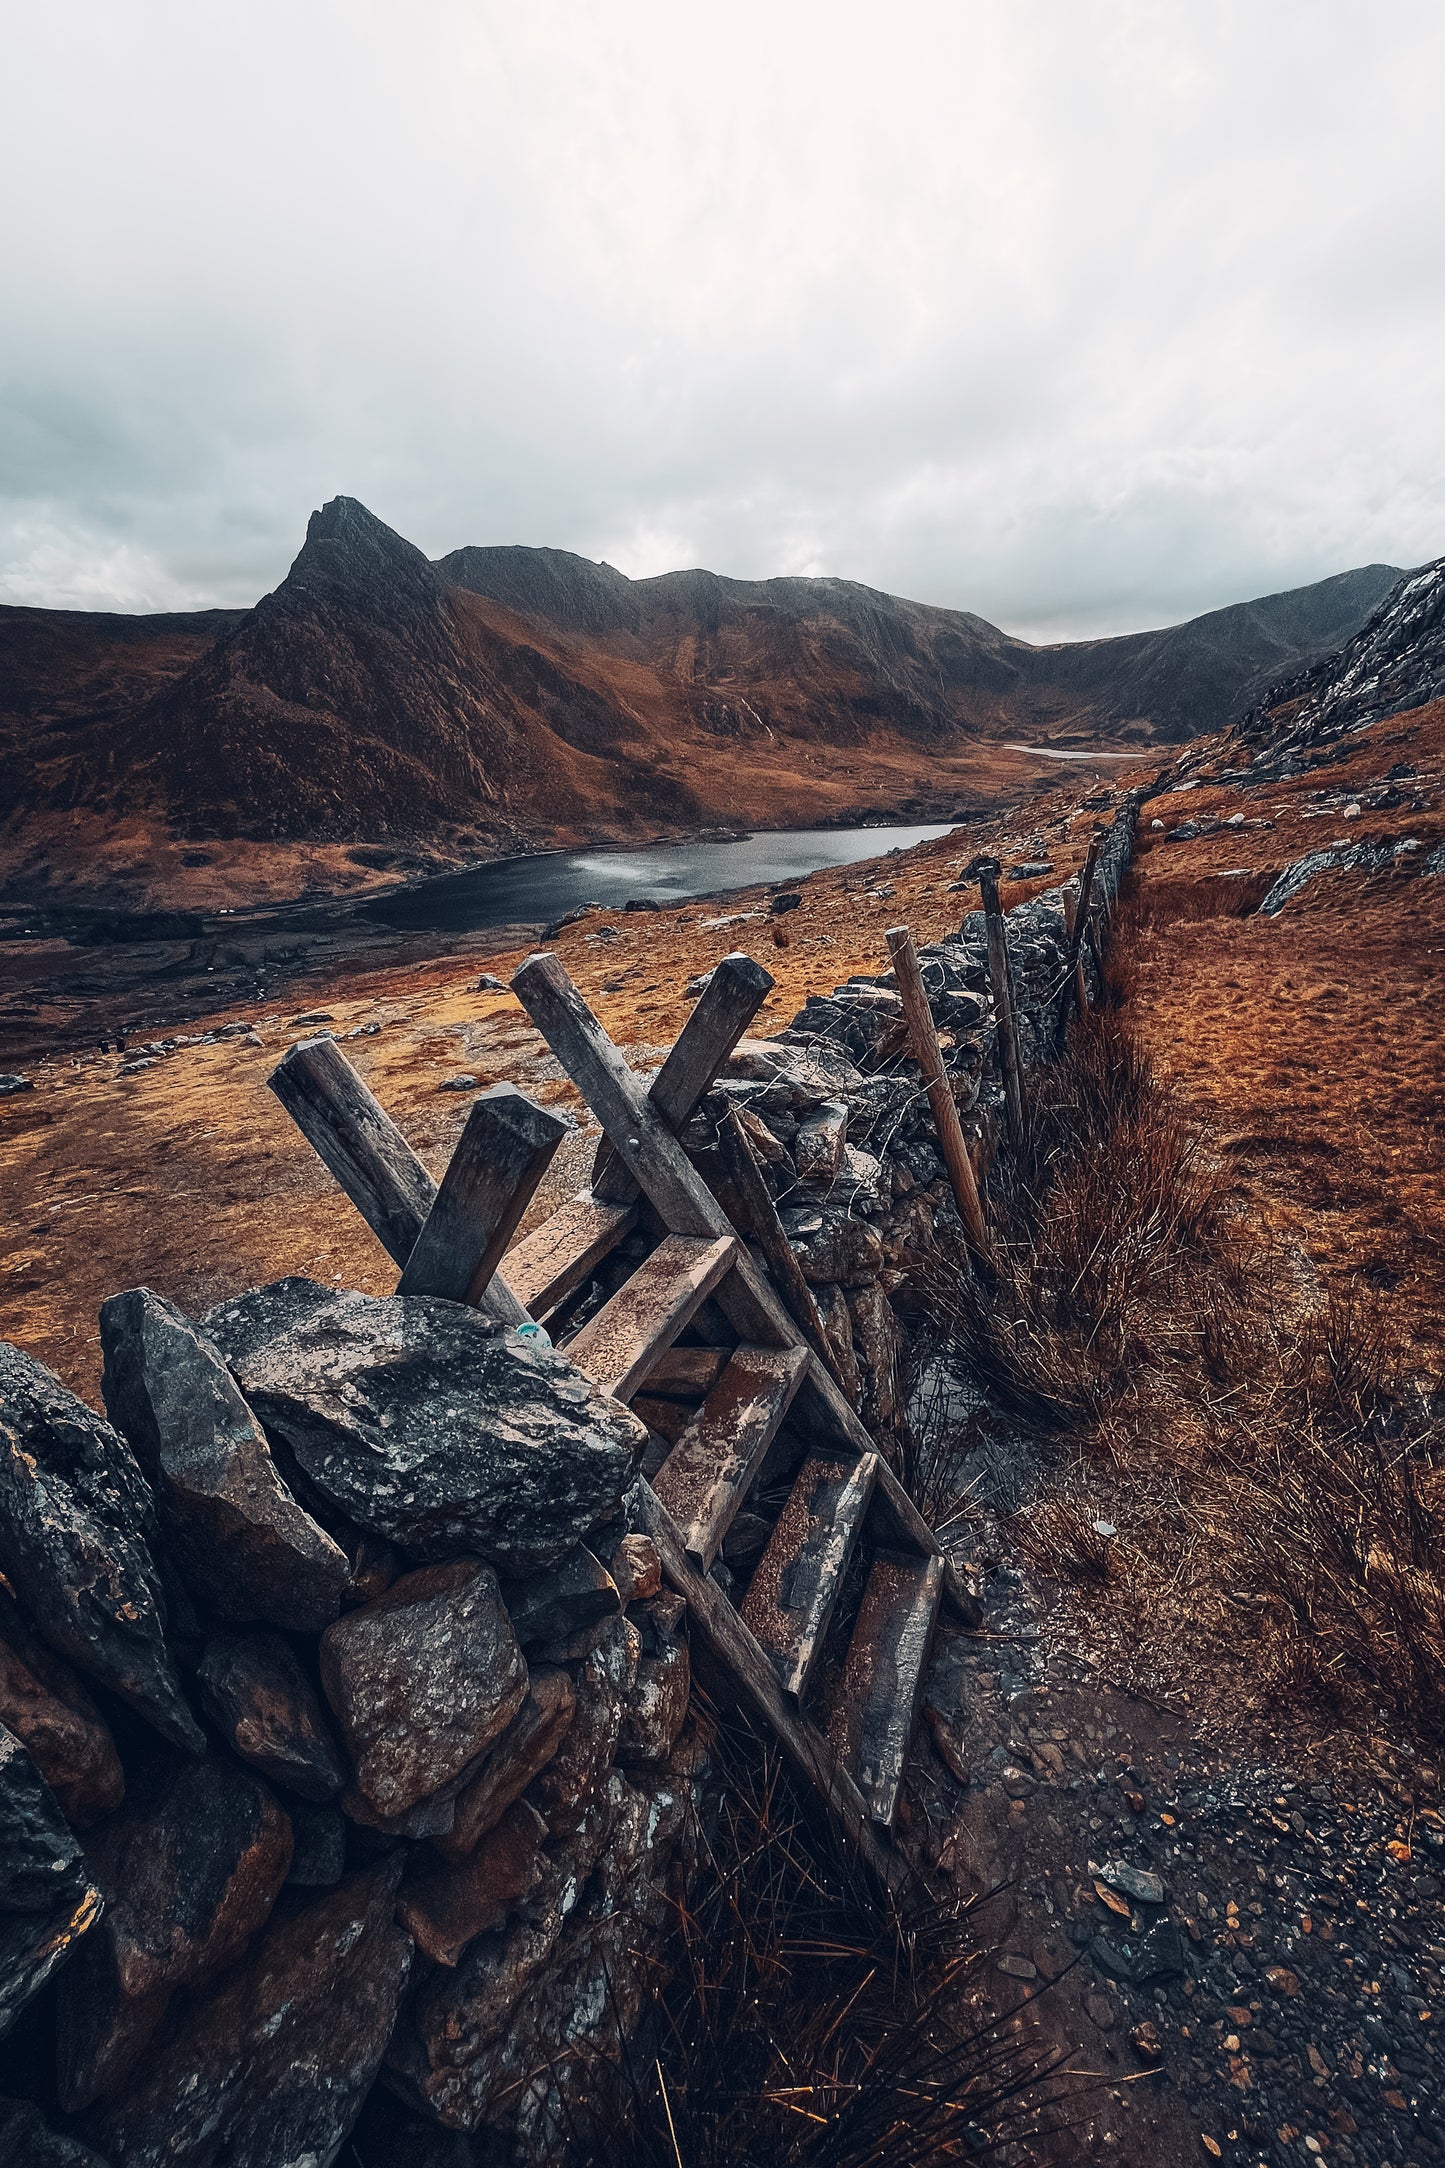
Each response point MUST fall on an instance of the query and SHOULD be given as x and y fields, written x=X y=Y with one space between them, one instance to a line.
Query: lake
x=514 y=891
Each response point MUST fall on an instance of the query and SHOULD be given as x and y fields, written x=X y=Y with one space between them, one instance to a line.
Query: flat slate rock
x=256 y=1693
x=280 y=2053
x=430 y=1424
x=188 y=1877
x=522 y=1752
x=243 y=1543
x=423 y=1681
x=44 y=1703
x=77 y=1521
x=47 y=1900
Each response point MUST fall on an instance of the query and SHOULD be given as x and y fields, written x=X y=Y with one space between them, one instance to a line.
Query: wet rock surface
x=44 y=1703
x=47 y=1900
x=427 y=1423
x=422 y=1682
x=188 y=1877
x=522 y=1752
x=76 y=1525
x=280 y=2053
x=239 y=1536
x=254 y=1690
x=1249 y=1952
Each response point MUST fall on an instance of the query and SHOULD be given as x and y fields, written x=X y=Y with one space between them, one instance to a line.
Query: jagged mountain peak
x=347 y=548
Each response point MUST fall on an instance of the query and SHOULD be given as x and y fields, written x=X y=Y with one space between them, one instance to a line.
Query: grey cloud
x=1085 y=317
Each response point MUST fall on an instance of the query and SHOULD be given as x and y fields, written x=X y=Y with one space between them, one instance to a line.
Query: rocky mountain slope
x=1395 y=662
x=505 y=698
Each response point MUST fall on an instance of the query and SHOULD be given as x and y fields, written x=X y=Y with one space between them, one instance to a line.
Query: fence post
x=927 y=1054
x=988 y=870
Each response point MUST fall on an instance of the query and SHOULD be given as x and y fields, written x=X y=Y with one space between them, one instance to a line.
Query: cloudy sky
x=1086 y=314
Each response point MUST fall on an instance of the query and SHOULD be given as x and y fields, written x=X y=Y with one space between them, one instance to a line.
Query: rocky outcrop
x=77 y=1522
x=429 y=1424
x=234 y=1528
x=188 y=1877
x=47 y=1900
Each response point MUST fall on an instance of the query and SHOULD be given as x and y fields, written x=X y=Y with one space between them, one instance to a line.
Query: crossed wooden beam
x=452 y=1239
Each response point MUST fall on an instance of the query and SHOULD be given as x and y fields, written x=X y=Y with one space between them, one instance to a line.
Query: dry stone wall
x=346 y=1763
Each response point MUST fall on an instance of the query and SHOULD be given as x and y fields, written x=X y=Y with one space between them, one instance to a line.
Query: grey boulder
x=47 y=1901
x=422 y=1682
x=76 y=1525
x=239 y=1537
x=429 y=1424
x=257 y=1695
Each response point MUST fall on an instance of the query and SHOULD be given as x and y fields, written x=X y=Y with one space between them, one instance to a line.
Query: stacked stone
x=342 y=1735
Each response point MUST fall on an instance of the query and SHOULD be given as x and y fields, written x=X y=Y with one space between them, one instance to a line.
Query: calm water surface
x=517 y=890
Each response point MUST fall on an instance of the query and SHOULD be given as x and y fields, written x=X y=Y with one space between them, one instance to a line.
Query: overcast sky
x=1083 y=314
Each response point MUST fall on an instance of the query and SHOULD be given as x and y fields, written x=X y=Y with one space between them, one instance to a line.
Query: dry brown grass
x=1258 y=1438
x=809 y=2026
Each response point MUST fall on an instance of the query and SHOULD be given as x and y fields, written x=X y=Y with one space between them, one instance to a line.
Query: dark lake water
x=520 y=890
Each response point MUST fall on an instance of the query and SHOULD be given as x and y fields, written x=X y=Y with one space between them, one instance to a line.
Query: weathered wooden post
x=1000 y=980
x=767 y=1230
x=923 y=1040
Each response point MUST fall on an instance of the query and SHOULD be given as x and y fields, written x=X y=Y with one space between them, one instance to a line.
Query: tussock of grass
x=1258 y=1438
x=809 y=2025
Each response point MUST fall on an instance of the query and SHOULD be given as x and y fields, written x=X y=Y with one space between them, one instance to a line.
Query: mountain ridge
x=502 y=698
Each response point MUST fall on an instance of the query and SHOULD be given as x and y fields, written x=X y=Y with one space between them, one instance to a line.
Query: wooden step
x=792 y=1593
x=706 y=1476
x=682 y=1373
x=547 y=1264
x=621 y=1343
x=876 y=1703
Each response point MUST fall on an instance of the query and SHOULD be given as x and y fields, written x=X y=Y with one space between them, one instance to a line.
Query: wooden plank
x=501 y=1156
x=685 y=1372
x=1083 y=928
x=729 y=1002
x=767 y=1230
x=718 y=1626
x=706 y=1476
x=876 y=1704
x=897 y=1521
x=923 y=1041
x=357 y=1140
x=796 y=1584
x=671 y=1182
x=619 y=1345
x=560 y=1254
x=1001 y=985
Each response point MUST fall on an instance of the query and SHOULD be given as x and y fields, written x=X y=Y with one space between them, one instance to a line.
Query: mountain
x=816 y=653
x=1395 y=661
x=503 y=698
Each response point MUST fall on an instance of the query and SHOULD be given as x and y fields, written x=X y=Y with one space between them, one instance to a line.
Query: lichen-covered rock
x=423 y=1681
x=429 y=1423
x=657 y=1705
x=269 y=2066
x=561 y=1601
x=43 y=1702
x=245 y=1546
x=876 y=1336
x=831 y=1245
x=257 y=1695
x=76 y=1523
x=579 y=1768
x=188 y=1877
x=443 y=1907
x=47 y=1900
x=523 y=1751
